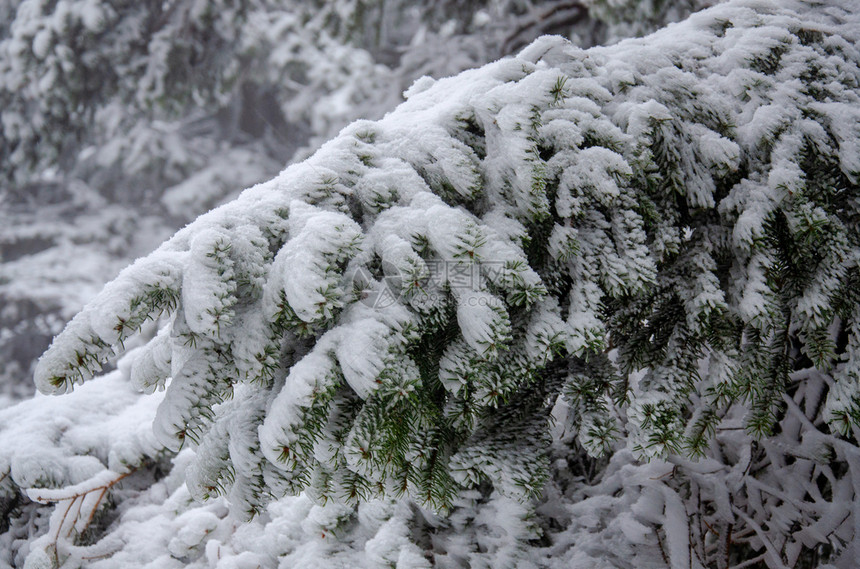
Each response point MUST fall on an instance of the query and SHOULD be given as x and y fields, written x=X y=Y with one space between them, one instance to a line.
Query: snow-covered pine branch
x=398 y=314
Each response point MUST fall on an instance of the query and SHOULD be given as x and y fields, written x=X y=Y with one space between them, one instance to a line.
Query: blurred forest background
x=123 y=120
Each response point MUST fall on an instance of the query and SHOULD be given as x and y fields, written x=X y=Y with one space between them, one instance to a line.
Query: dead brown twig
x=76 y=505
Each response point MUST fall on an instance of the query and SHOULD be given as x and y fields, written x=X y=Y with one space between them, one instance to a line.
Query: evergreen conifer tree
x=618 y=252
x=114 y=106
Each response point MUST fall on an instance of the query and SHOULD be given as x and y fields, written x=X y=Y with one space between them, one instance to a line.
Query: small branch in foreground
x=83 y=499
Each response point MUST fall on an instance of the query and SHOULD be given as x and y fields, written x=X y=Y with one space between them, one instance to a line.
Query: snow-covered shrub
x=641 y=252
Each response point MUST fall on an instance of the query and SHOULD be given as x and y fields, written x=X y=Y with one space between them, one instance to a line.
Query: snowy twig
x=84 y=499
x=768 y=544
x=799 y=504
x=662 y=549
x=749 y=562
